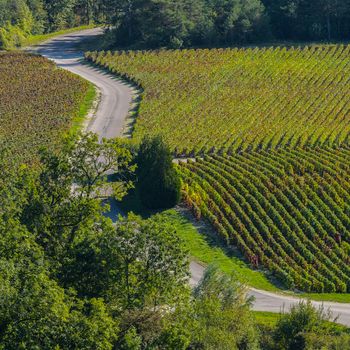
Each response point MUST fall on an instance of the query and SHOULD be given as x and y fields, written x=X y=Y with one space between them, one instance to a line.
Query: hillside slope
x=272 y=125
x=287 y=211
x=234 y=99
x=38 y=103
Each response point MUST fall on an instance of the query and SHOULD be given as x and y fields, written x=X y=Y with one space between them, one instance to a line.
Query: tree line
x=228 y=22
x=22 y=18
x=182 y=23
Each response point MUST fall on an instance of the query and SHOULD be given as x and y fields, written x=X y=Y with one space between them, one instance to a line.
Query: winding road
x=109 y=120
x=116 y=96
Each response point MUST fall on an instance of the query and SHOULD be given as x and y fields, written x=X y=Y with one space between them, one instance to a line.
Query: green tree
x=143 y=258
x=138 y=266
x=315 y=341
x=222 y=314
x=157 y=23
x=157 y=181
x=60 y=14
x=305 y=19
x=13 y=184
x=150 y=22
x=16 y=22
x=40 y=16
x=238 y=21
x=35 y=312
x=72 y=183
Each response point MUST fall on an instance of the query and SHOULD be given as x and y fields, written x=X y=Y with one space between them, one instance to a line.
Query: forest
x=180 y=23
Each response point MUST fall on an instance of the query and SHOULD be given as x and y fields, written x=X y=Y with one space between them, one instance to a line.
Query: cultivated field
x=272 y=126
x=230 y=99
x=286 y=210
x=38 y=103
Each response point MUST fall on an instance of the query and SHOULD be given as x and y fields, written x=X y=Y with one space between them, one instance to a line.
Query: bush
x=314 y=341
x=11 y=37
x=222 y=314
x=303 y=318
x=158 y=182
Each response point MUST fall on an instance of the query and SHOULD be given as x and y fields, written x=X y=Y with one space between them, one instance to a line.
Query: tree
x=93 y=11
x=143 y=258
x=72 y=183
x=138 y=266
x=316 y=341
x=35 y=312
x=305 y=19
x=158 y=23
x=60 y=14
x=13 y=183
x=157 y=181
x=40 y=16
x=110 y=286
x=150 y=22
x=237 y=21
x=325 y=18
x=16 y=22
x=222 y=311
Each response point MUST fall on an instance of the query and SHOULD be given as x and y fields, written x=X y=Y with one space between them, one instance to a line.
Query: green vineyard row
x=237 y=99
x=37 y=104
x=287 y=210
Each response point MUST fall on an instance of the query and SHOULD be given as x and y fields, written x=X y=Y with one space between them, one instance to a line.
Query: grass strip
x=84 y=109
x=37 y=39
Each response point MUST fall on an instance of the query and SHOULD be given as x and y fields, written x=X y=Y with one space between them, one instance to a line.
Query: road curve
x=116 y=96
x=116 y=99
x=274 y=302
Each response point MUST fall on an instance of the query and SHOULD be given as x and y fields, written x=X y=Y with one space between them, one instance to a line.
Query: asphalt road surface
x=116 y=96
x=116 y=99
x=274 y=302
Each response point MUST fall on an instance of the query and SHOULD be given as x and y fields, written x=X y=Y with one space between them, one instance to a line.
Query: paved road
x=115 y=103
x=116 y=96
x=272 y=302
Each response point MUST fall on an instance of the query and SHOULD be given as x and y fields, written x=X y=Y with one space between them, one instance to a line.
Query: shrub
x=303 y=318
x=315 y=341
x=11 y=37
x=158 y=182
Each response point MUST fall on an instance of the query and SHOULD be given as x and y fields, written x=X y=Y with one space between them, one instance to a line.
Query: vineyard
x=287 y=210
x=270 y=128
x=237 y=99
x=37 y=103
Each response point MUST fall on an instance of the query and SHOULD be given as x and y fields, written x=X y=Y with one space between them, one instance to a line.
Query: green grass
x=339 y=298
x=267 y=319
x=79 y=119
x=205 y=248
x=37 y=39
